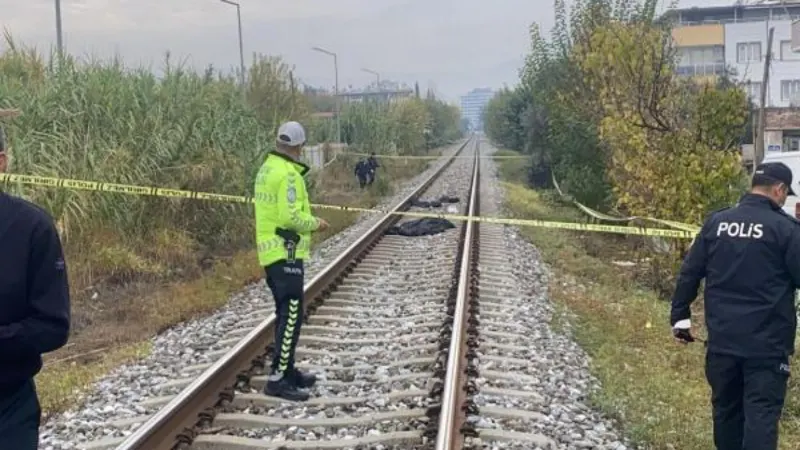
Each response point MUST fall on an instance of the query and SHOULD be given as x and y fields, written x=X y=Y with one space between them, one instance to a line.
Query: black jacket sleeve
x=47 y=326
x=692 y=273
x=793 y=255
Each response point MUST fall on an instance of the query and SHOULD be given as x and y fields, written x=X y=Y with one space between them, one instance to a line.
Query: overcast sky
x=456 y=45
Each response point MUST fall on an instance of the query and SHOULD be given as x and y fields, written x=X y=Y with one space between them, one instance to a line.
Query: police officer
x=284 y=224
x=34 y=311
x=362 y=172
x=372 y=162
x=749 y=256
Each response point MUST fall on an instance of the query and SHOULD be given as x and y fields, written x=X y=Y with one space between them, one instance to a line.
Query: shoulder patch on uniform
x=291 y=194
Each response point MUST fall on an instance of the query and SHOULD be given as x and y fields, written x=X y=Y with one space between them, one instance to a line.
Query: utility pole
x=59 y=33
x=291 y=85
x=762 y=116
x=378 y=83
x=241 y=43
x=336 y=91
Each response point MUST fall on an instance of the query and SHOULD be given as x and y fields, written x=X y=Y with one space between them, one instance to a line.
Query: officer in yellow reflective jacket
x=284 y=224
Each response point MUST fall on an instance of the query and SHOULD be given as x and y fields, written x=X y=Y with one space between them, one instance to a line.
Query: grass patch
x=60 y=384
x=656 y=388
x=156 y=285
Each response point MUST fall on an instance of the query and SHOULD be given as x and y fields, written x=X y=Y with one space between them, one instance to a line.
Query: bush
x=600 y=107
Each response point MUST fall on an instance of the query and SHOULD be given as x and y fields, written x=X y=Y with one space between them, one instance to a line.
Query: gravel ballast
x=518 y=350
x=393 y=374
x=176 y=352
x=546 y=369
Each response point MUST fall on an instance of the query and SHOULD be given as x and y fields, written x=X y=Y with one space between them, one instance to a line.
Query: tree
x=602 y=94
x=443 y=125
x=673 y=142
x=408 y=121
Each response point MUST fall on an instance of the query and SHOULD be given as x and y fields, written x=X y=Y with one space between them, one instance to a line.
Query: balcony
x=695 y=70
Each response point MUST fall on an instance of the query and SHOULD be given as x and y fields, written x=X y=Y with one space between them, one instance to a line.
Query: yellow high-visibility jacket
x=281 y=202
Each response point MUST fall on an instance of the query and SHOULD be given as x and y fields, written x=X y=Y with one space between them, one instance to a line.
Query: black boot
x=284 y=387
x=303 y=380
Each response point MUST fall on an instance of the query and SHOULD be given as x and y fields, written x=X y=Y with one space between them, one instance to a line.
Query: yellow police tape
x=601 y=216
x=380 y=156
x=96 y=186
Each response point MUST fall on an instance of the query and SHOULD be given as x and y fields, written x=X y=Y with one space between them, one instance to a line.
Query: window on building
x=748 y=52
x=753 y=90
x=785 y=12
x=701 y=55
x=786 y=52
x=701 y=60
x=791 y=143
x=790 y=90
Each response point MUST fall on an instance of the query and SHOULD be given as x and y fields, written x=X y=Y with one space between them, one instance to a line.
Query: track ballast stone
x=550 y=369
x=374 y=344
x=181 y=351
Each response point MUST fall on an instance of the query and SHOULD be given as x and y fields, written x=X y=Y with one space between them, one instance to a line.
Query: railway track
x=241 y=353
x=502 y=409
x=377 y=339
x=417 y=343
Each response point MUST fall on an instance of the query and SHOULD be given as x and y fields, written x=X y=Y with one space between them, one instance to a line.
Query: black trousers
x=747 y=396
x=285 y=280
x=20 y=415
x=362 y=181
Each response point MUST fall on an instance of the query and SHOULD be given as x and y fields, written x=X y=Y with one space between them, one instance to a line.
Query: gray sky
x=455 y=44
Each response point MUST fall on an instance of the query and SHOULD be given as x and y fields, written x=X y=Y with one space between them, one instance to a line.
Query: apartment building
x=711 y=39
x=473 y=104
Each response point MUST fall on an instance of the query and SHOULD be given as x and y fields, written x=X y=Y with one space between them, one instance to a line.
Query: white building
x=745 y=50
x=473 y=104
x=735 y=36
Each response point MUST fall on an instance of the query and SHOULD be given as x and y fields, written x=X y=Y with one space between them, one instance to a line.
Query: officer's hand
x=323 y=225
x=683 y=335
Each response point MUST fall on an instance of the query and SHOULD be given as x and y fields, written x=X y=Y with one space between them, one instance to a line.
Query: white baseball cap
x=292 y=134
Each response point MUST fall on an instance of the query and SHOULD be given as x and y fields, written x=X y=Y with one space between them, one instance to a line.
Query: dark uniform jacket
x=749 y=256
x=362 y=169
x=373 y=163
x=34 y=295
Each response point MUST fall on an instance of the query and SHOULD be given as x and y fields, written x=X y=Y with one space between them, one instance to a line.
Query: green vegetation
x=416 y=124
x=656 y=388
x=139 y=265
x=600 y=107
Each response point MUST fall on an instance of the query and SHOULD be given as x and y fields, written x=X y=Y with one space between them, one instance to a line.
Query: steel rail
x=173 y=425
x=451 y=417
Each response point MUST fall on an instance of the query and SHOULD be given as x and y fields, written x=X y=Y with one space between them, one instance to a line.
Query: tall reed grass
x=137 y=264
x=105 y=121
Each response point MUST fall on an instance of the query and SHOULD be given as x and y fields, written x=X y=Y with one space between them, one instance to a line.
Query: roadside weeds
x=656 y=389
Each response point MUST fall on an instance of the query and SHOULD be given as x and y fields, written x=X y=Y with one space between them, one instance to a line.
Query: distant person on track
x=34 y=311
x=362 y=172
x=749 y=255
x=373 y=167
x=284 y=224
